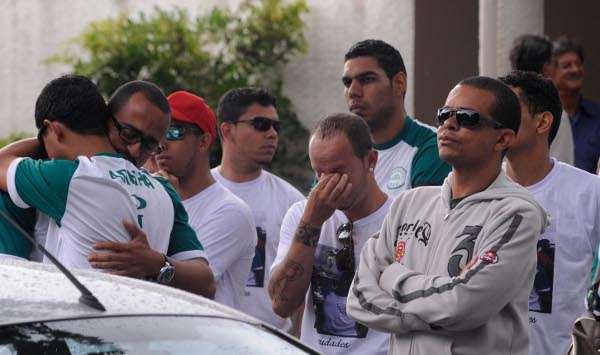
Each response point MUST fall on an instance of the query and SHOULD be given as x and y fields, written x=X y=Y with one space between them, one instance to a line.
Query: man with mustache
x=584 y=114
x=223 y=223
x=534 y=53
x=375 y=84
x=452 y=268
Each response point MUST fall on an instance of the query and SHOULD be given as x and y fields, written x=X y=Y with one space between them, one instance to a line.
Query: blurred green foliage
x=208 y=55
x=13 y=137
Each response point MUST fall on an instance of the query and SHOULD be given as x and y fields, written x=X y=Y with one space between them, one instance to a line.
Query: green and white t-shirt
x=87 y=200
x=11 y=241
x=410 y=159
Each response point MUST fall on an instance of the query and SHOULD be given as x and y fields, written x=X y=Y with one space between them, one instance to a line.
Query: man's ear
x=505 y=139
x=225 y=128
x=371 y=159
x=57 y=129
x=399 y=84
x=204 y=142
x=544 y=122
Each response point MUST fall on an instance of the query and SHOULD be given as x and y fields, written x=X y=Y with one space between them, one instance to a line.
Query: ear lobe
x=505 y=140
x=372 y=159
x=205 y=142
x=56 y=129
x=544 y=123
x=399 y=84
x=225 y=129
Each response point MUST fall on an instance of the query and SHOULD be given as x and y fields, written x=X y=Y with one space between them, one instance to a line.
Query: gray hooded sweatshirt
x=452 y=280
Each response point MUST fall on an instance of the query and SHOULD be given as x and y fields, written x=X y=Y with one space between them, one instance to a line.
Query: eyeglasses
x=263 y=124
x=178 y=132
x=466 y=118
x=131 y=135
x=344 y=259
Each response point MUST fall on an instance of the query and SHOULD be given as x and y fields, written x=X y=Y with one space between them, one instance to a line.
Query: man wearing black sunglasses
x=249 y=127
x=452 y=267
x=223 y=222
x=566 y=250
x=322 y=238
x=375 y=84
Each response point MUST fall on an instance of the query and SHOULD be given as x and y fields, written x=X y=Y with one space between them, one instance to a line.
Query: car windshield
x=142 y=335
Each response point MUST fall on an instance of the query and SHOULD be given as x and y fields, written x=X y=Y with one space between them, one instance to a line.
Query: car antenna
x=86 y=297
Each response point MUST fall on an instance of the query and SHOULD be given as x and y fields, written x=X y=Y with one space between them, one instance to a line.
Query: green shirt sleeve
x=43 y=185
x=12 y=242
x=183 y=237
x=427 y=167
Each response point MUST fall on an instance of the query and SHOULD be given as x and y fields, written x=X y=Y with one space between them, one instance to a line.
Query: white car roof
x=32 y=291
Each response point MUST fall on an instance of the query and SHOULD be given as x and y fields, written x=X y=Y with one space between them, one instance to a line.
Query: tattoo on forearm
x=307 y=235
x=292 y=271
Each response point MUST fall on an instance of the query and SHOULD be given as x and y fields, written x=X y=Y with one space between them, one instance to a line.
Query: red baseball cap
x=187 y=107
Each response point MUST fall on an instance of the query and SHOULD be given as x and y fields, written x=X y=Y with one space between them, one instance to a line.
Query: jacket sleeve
x=367 y=302
x=505 y=265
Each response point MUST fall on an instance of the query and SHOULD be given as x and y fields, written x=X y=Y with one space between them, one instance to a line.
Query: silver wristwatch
x=166 y=273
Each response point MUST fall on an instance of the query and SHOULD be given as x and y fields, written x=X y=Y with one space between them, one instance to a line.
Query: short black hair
x=506 y=108
x=539 y=94
x=352 y=126
x=530 y=52
x=150 y=91
x=564 y=45
x=388 y=57
x=75 y=101
x=235 y=102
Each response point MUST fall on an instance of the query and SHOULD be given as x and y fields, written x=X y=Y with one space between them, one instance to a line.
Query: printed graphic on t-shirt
x=256 y=278
x=540 y=299
x=329 y=289
x=397 y=178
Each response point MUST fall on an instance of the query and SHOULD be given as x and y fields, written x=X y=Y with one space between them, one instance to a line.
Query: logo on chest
x=397 y=178
x=419 y=230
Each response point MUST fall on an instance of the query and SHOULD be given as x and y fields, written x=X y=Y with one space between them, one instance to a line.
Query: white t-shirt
x=410 y=159
x=87 y=200
x=325 y=324
x=565 y=255
x=225 y=227
x=269 y=198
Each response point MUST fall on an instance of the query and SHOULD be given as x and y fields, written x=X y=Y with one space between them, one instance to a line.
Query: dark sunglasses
x=178 y=132
x=131 y=135
x=344 y=259
x=263 y=124
x=466 y=118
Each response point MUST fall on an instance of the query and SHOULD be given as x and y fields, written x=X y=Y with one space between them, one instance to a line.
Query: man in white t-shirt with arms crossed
x=249 y=127
x=223 y=223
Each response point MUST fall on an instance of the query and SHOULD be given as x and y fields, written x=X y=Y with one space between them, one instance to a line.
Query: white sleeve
x=12 y=184
x=288 y=229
